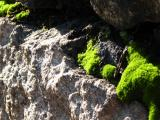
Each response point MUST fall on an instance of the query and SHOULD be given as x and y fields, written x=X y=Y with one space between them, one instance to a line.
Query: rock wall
x=38 y=81
x=126 y=14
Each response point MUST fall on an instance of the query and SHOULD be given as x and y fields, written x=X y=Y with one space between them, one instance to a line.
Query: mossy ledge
x=14 y=10
x=140 y=81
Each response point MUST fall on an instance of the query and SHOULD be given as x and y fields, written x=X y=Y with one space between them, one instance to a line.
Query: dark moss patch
x=91 y=61
x=22 y=15
x=100 y=51
x=3 y=8
x=140 y=81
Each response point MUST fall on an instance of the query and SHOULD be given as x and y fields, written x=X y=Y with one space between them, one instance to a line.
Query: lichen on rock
x=140 y=81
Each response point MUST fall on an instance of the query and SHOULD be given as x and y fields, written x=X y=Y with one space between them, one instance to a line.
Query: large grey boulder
x=125 y=14
x=38 y=81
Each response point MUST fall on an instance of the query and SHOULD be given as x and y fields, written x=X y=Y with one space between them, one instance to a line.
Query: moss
x=3 y=8
x=153 y=112
x=17 y=11
x=108 y=71
x=140 y=81
x=22 y=15
x=90 y=59
x=14 y=8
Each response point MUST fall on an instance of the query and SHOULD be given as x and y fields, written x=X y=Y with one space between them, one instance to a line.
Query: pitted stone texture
x=10 y=33
x=40 y=82
x=6 y=28
x=129 y=112
x=127 y=13
x=110 y=52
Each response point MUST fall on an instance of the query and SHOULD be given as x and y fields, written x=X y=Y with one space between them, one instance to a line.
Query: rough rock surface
x=38 y=81
x=127 y=13
x=110 y=52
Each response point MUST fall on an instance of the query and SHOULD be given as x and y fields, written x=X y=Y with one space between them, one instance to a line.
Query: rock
x=39 y=81
x=6 y=28
x=110 y=52
x=10 y=33
x=126 y=14
x=129 y=112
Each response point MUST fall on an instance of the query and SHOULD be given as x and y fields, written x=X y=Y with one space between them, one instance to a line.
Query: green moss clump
x=141 y=81
x=90 y=60
x=22 y=15
x=3 y=8
x=108 y=71
x=14 y=8
x=17 y=11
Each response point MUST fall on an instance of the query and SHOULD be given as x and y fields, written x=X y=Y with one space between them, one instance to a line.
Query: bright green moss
x=141 y=81
x=108 y=71
x=16 y=10
x=153 y=112
x=22 y=15
x=3 y=8
x=90 y=60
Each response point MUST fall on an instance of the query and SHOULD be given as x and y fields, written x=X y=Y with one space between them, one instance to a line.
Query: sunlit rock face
x=38 y=81
x=125 y=14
